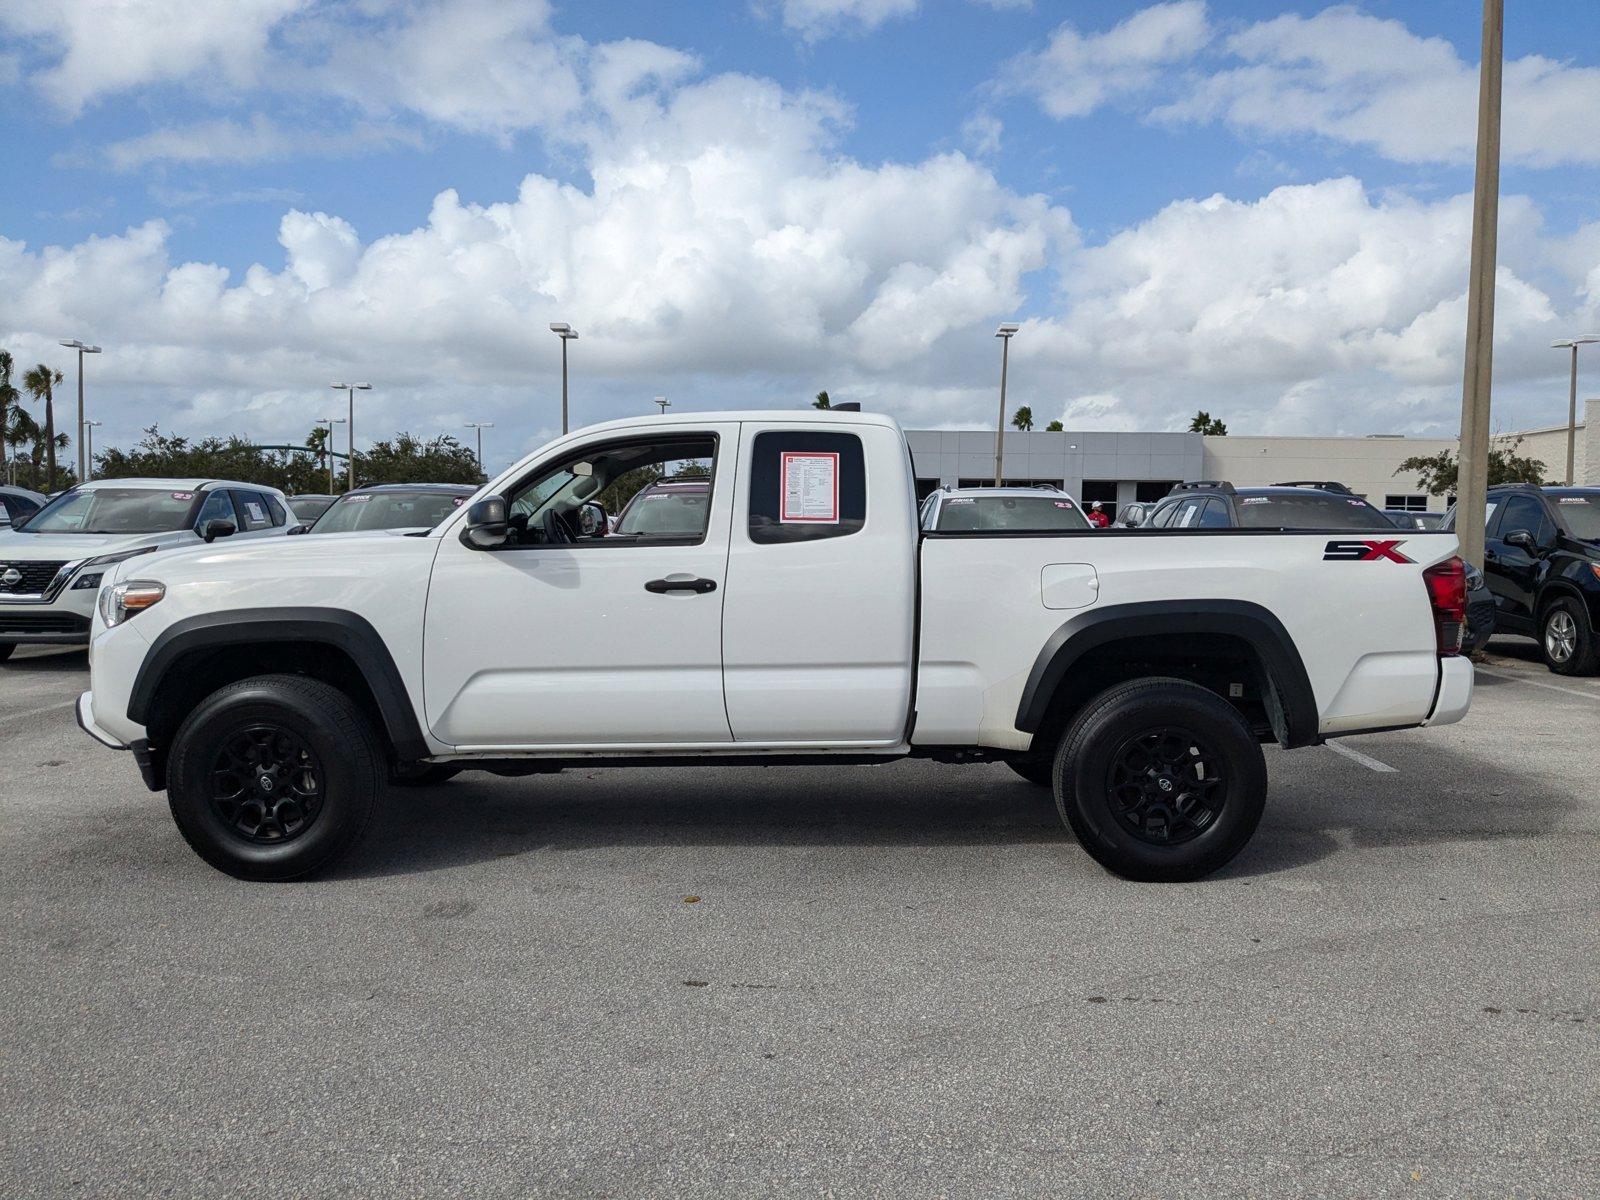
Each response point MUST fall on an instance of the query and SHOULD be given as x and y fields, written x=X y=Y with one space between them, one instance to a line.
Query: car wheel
x=418 y=775
x=1039 y=770
x=274 y=777
x=6 y=650
x=1568 y=644
x=1160 y=780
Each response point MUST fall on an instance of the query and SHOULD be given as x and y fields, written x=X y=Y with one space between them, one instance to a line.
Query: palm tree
x=822 y=401
x=1054 y=427
x=8 y=397
x=42 y=381
x=1023 y=419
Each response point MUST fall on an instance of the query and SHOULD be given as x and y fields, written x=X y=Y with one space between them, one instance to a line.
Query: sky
x=1254 y=207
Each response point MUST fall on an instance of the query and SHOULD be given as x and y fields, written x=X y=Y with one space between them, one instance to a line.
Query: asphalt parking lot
x=855 y=981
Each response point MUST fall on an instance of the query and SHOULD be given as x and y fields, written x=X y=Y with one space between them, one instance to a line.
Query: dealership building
x=1119 y=468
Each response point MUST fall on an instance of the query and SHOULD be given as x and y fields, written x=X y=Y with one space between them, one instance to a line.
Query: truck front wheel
x=274 y=777
x=1161 y=780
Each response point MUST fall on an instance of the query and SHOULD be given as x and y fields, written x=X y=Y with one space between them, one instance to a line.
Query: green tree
x=408 y=459
x=42 y=381
x=1205 y=423
x=1054 y=427
x=1437 y=473
x=9 y=397
x=822 y=401
x=1023 y=419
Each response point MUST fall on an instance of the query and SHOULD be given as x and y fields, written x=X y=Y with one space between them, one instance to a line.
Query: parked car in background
x=1480 y=611
x=1216 y=504
x=1541 y=557
x=668 y=508
x=17 y=505
x=50 y=568
x=308 y=506
x=401 y=507
x=1018 y=509
x=1406 y=518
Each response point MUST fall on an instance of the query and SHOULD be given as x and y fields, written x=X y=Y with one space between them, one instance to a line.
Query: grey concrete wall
x=1071 y=457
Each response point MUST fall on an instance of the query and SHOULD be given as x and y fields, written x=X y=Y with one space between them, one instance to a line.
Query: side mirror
x=294 y=529
x=215 y=528
x=1523 y=539
x=1132 y=516
x=487 y=527
x=592 y=520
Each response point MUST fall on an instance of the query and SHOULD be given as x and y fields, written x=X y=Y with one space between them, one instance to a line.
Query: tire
x=420 y=775
x=1037 y=770
x=1110 y=766
x=1567 y=643
x=299 y=812
x=6 y=650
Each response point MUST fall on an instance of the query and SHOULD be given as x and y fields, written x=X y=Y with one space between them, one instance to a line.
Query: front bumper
x=85 y=712
x=64 y=620
x=151 y=766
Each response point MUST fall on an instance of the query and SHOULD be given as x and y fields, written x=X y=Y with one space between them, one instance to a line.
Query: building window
x=979 y=483
x=1103 y=490
x=926 y=488
x=1147 y=491
x=1407 y=503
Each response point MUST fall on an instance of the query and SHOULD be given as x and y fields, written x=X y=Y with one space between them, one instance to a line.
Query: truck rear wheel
x=1161 y=780
x=274 y=777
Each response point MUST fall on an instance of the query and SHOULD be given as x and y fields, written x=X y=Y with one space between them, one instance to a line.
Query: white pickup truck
x=789 y=612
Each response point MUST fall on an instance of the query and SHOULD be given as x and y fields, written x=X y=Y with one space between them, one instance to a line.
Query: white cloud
x=1370 y=81
x=982 y=133
x=1076 y=73
x=261 y=139
x=813 y=19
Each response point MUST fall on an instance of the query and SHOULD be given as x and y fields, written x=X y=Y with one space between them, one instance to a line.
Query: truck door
x=611 y=633
x=818 y=620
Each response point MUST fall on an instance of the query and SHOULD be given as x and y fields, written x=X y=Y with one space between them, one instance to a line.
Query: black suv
x=1541 y=554
x=1212 y=504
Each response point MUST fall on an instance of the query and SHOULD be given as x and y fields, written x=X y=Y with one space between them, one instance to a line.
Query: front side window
x=1524 y=514
x=218 y=507
x=1214 y=515
x=645 y=492
x=807 y=485
x=115 y=510
x=1016 y=514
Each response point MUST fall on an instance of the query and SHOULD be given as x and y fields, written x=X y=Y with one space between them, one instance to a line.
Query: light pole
x=82 y=349
x=327 y=446
x=567 y=334
x=1005 y=333
x=1472 y=464
x=663 y=403
x=480 y=426
x=88 y=435
x=351 y=388
x=1572 y=394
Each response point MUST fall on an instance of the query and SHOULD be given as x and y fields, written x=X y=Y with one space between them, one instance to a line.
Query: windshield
x=1309 y=511
x=1026 y=513
x=661 y=512
x=114 y=510
x=1581 y=515
x=309 y=508
x=387 y=510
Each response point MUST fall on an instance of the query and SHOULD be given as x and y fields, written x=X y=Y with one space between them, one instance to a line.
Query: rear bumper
x=1455 y=691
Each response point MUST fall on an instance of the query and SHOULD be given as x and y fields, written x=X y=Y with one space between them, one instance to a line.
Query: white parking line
x=1369 y=763
x=1510 y=678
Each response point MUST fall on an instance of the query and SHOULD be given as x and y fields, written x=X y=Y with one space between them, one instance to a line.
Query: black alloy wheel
x=266 y=784
x=1167 y=785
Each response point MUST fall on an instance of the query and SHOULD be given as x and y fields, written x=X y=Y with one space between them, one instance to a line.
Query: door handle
x=698 y=586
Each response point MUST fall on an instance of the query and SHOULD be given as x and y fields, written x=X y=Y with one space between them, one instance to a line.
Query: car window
x=1581 y=516
x=622 y=477
x=1214 y=515
x=1524 y=514
x=1183 y=516
x=218 y=507
x=114 y=510
x=1309 y=510
x=1162 y=517
x=806 y=485
x=275 y=510
x=1018 y=514
x=355 y=511
x=253 y=509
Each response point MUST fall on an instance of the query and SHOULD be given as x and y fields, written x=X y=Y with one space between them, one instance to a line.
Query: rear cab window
x=805 y=486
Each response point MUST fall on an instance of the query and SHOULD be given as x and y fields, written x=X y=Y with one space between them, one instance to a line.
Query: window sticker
x=962 y=500
x=810 y=482
x=357 y=499
x=183 y=495
x=255 y=511
x=1256 y=500
x=1063 y=503
x=1572 y=500
x=458 y=501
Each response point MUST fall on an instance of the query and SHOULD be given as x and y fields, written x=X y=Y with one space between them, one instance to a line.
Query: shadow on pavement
x=46 y=660
x=1316 y=808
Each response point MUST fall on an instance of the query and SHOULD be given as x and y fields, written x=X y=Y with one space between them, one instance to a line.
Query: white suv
x=50 y=569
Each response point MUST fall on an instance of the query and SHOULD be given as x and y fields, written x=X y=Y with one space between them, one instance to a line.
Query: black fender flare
x=334 y=627
x=1253 y=624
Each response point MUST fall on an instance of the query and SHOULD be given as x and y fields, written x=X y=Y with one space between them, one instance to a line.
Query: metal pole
x=351 y=478
x=480 y=447
x=1572 y=413
x=1472 y=482
x=563 y=385
x=1000 y=425
x=82 y=468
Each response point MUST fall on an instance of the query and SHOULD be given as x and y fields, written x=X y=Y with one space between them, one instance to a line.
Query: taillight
x=1447 y=592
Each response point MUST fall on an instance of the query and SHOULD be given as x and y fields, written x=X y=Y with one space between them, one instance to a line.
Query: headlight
x=123 y=600
x=91 y=571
